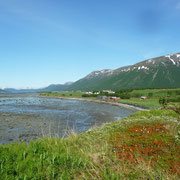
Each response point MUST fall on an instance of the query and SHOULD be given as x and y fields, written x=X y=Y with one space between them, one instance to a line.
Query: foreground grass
x=144 y=145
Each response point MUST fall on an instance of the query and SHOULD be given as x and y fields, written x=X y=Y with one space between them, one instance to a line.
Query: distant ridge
x=2 y=91
x=157 y=72
x=52 y=87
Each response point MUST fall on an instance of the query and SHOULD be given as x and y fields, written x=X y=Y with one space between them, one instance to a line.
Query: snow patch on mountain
x=125 y=70
x=172 y=60
x=147 y=65
x=101 y=72
x=143 y=67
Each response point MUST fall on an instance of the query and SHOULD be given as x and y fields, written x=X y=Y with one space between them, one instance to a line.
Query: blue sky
x=46 y=42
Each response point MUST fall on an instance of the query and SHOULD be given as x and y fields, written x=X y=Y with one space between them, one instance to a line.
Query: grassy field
x=153 y=97
x=150 y=103
x=144 y=145
x=157 y=92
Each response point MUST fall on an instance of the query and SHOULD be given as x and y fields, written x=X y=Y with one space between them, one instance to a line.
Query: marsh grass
x=144 y=145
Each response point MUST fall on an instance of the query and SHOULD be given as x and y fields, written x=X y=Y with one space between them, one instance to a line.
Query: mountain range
x=55 y=87
x=159 y=72
x=1 y=91
x=52 y=87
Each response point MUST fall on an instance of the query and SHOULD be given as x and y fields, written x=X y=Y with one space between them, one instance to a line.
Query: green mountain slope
x=158 y=72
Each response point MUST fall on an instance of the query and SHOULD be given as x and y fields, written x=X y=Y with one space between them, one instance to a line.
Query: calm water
x=26 y=117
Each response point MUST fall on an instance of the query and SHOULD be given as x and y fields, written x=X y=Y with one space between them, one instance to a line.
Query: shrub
x=124 y=91
x=116 y=94
x=125 y=96
x=85 y=95
x=163 y=101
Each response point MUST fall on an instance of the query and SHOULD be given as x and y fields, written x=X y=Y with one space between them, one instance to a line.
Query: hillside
x=157 y=72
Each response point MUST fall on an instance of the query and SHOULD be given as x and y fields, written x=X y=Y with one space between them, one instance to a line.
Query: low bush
x=125 y=96
x=85 y=95
x=163 y=101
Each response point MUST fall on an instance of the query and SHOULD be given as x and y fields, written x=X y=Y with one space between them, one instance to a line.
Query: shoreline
x=128 y=106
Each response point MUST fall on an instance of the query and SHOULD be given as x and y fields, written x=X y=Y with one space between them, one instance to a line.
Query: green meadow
x=152 y=102
x=153 y=96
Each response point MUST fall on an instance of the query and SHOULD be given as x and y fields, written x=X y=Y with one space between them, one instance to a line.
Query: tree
x=163 y=101
x=125 y=96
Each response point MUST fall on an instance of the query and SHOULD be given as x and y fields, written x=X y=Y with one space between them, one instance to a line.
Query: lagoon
x=24 y=117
